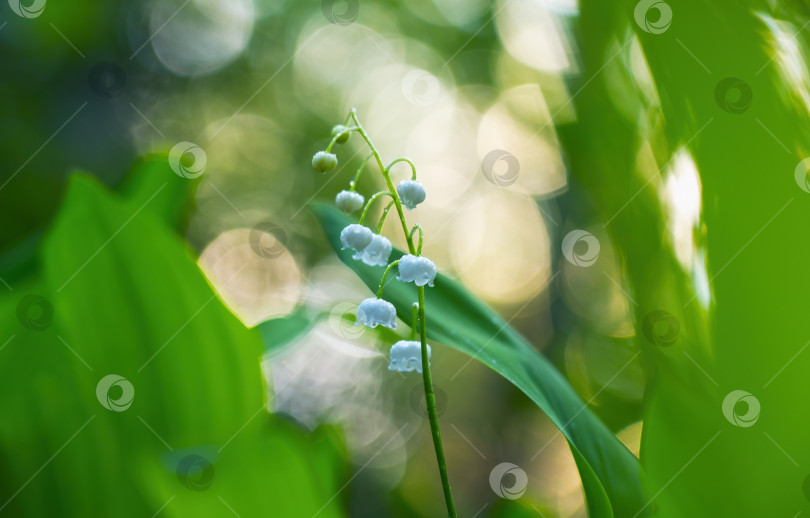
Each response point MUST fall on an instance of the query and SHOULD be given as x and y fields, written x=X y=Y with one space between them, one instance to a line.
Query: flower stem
x=421 y=237
x=414 y=320
x=369 y=203
x=384 y=215
x=336 y=137
x=385 y=276
x=353 y=183
x=430 y=398
x=413 y=167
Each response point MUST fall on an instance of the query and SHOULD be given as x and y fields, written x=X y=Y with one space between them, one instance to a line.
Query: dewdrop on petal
x=373 y=311
x=349 y=201
x=357 y=237
x=411 y=192
x=406 y=356
x=376 y=253
x=419 y=270
x=323 y=161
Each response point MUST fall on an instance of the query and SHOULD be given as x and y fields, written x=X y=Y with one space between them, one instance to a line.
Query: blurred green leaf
x=278 y=332
x=747 y=332
x=609 y=472
x=122 y=296
x=520 y=508
x=148 y=175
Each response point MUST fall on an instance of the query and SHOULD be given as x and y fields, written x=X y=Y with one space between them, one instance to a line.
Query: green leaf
x=610 y=473
x=278 y=332
x=751 y=331
x=121 y=295
x=152 y=172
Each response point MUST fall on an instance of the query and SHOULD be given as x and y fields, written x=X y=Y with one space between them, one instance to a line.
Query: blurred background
x=242 y=93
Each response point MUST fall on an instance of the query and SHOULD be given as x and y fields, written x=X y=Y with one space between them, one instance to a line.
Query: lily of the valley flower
x=323 y=161
x=357 y=237
x=419 y=270
x=411 y=192
x=406 y=356
x=376 y=253
x=349 y=201
x=341 y=132
x=373 y=311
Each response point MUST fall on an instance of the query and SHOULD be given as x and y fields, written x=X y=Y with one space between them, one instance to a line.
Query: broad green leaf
x=120 y=295
x=610 y=473
x=750 y=332
x=278 y=332
x=152 y=173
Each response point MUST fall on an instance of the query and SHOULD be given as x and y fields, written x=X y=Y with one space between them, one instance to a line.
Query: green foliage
x=609 y=472
x=750 y=336
x=120 y=294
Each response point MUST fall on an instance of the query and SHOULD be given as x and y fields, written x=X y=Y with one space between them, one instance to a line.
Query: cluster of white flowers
x=374 y=249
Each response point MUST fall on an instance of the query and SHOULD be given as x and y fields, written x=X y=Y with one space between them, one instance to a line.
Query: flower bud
x=406 y=356
x=411 y=192
x=419 y=270
x=323 y=161
x=374 y=311
x=376 y=253
x=356 y=237
x=349 y=201
x=341 y=130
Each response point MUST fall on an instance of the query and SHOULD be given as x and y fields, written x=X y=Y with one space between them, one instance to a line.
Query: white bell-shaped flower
x=349 y=201
x=356 y=237
x=374 y=311
x=411 y=192
x=406 y=356
x=376 y=253
x=419 y=270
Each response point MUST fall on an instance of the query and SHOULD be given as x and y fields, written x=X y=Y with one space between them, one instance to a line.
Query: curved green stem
x=413 y=167
x=388 y=182
x=385 y=275
x=384 y=215
x=430 y=398
x=336 y=137
x=353 y=183
x=421 y=237
x=370 y=202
